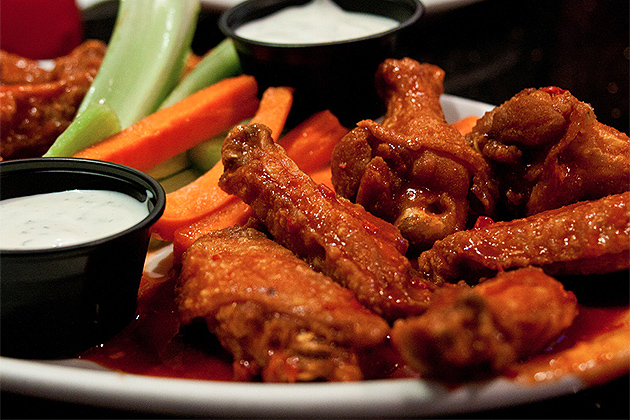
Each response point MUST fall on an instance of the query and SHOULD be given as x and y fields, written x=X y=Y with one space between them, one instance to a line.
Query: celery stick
x=145 y=57
x=93 y=125
x=205 y=155
x=178 y=180
x=220 y=63
x=170 y=166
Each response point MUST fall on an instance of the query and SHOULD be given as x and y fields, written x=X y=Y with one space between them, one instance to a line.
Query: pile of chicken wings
x=448 y=246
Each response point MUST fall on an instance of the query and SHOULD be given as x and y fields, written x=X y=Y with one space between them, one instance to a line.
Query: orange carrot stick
x=175 y=129
x=466 y=124
x=310 y=144
x=274 y=108
x=233 y=212
x=203 y=196
x=322 y=176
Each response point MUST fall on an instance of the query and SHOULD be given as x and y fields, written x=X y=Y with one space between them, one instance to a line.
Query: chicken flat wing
x=547 y=150
x=414 y=170
x=279 y=318
x=591 y=237
x=36 y=106
x=340 y=239
x=470 y=332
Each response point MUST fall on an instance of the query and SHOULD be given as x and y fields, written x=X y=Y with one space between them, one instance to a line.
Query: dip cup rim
x=98 y=167
x=230 y=31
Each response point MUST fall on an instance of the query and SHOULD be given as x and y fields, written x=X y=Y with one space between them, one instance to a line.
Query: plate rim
x=370 y=398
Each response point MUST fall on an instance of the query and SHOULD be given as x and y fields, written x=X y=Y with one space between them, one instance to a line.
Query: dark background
x=490 y=51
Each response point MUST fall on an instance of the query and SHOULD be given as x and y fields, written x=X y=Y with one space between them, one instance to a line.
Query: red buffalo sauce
x=596 y=347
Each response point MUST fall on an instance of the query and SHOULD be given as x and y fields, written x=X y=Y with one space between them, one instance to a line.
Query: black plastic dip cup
x=339 y=75
x=57 y=302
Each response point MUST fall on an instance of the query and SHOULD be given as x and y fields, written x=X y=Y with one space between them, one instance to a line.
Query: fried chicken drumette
x=590 y=237
x=37 y=105
x=414 y=170
x=547 y=149
x=469 y=332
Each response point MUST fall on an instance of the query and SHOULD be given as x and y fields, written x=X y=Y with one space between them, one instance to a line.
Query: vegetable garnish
x=274 y=109
x=219 y=63
x=466 y=124
x=96 y=122
x=145 y=59
x=175 y=129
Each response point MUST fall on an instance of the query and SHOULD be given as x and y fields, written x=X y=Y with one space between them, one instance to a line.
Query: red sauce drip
x=154 y=345
x=553 y=90
x=483 y=222
x=590 y=323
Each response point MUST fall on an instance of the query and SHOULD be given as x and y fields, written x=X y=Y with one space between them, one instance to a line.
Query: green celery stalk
x=220 y=63
x=205 y=155
x=145 y=59
x=93 y=125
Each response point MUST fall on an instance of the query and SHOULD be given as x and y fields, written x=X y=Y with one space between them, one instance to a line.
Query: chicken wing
x=591 y=237
x=414 y=170
x=279 y=318
x=547 y=149
x=340 y=239
x=469 y=332
x=37 y=105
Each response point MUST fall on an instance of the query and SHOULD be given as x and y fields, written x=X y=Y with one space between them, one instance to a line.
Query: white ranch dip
x=66 y=218
x=316 y=22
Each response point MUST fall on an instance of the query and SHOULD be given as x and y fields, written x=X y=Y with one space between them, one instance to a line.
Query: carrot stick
x=310 y=144
x=203 y=196
x=175 y=129
x=274 y=108
x=322 y=176
x=466 y=124
x=233 y=212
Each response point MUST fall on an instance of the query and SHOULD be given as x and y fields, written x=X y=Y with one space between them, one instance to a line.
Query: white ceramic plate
x=78 y=381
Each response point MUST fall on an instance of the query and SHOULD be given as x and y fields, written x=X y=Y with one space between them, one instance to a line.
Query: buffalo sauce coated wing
x=279 y=318
x=340 y=239
x=591 y=237
x=37 y=105
x=467 y=332
x=547 y=149
x=414 y=170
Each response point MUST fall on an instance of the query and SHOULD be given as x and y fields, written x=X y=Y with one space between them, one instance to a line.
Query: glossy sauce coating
x=595 y=348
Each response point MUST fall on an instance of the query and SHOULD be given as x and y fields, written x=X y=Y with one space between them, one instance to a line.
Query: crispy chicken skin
x=547 y=150
x=340 y=239
x=279 y=318
x=36 y=105
x=414 y=170
x=468 y=332
x=591 y=237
